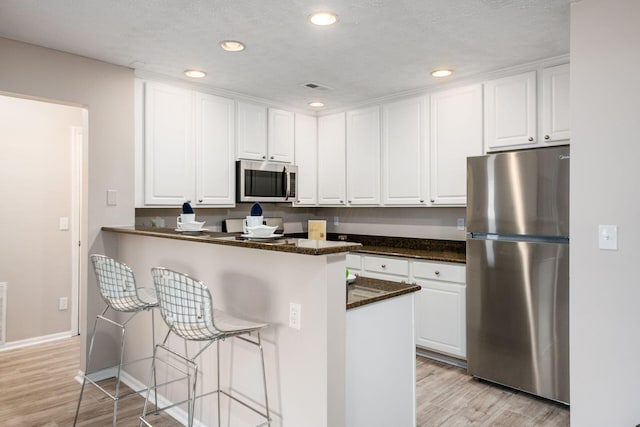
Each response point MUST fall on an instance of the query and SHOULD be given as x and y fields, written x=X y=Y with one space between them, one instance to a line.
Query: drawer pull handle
x=437 y=273
x=384 y=266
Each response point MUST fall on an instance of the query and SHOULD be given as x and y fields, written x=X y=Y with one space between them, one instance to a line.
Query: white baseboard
x=177 y=413
x=36 y=340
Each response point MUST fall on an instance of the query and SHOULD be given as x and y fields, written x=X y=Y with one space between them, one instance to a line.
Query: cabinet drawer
x=439 y=271
x=399 y=267
x=354 y=262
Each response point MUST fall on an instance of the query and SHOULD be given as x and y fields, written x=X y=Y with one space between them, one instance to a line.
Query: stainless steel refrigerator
x=518 y=270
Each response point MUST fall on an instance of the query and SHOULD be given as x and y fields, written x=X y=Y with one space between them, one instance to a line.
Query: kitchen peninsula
x=309 y=369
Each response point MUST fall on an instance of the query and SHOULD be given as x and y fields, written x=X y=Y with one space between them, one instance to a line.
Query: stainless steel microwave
x=265 y=181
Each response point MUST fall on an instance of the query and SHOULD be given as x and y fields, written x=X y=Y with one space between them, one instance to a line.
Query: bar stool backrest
x=185 y=304
x=116 y=284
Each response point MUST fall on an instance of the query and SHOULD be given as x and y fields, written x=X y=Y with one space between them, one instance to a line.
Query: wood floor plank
x=38 y=389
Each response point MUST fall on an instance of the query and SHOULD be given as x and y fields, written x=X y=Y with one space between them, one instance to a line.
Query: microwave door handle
x=287 y=182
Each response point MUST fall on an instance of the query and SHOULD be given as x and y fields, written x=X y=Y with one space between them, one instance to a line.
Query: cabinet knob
x=272 y=157
x=341 y=201
x=421 y=200
x=348 y=201
x=298 y=201
x=264 y=157
x=199 y=200
x=530 y=139
x=432 y=200
x=384 y=266
x=437 y=273
x=547 y=137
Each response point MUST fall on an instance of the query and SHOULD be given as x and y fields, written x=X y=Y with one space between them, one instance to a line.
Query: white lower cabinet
x=441 y=309
x=386 y=268
x=440 y=306
x=354 y=264
x=380 y=383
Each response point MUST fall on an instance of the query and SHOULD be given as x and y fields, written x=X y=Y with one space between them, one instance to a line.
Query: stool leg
x=153 y=366
x=218 y=376
x=192 y=402
x=117 y=392
x=264 y=380
x=152 y=376
x=84 y=377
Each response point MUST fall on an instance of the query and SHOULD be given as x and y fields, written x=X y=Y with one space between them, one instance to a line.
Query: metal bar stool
x=187 y=308
x=117 y=288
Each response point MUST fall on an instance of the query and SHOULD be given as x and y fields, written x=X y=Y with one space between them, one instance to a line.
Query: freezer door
x=518 y=315
x=520 y=192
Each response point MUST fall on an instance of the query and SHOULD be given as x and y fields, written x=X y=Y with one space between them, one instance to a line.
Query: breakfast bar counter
x=306 y=356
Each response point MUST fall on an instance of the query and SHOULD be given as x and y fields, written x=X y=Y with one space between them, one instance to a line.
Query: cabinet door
x=404 y=142
x=510 y=111
x=363 y=156
x=168 y=166
x=281 y=136
x=331 y=160
x=306 y=158
x=214 y=136
x=456 y=133
x=555 y=104
x=252 y=131
x=441 y=317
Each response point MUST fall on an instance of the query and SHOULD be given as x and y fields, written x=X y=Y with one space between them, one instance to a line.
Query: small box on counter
x=317 y=230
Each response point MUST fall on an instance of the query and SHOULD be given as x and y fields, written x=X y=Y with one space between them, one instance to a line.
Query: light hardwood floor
x=447 y=396
x=37 y=388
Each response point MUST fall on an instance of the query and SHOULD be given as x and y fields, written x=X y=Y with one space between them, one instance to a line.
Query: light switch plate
x=112 y=197
x=608 y=237
x=63 y=223
x=460 y=224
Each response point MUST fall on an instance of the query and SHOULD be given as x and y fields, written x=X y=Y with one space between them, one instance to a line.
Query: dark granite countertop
x=425 y=249
x=291 y=245
x=365 y=290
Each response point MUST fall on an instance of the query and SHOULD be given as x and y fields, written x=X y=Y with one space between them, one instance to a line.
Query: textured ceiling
x=377 y=48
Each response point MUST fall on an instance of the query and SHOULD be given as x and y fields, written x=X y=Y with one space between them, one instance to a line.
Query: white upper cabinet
x=215 y=143
x=306 y=158
x=510 y=111
x=556 y=124
x=168 y=147
x=363 y=156
x=265 y=133
x=456 y=133
x=331 y=160
x=188 y=147
x=404 y=152
x=252 y=131
x=280 y=139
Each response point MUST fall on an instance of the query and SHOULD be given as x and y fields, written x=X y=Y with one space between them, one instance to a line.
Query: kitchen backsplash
x=432 y=223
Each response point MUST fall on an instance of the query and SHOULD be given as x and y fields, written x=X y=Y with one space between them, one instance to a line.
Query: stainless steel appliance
x=265 y=181
x=518 y=270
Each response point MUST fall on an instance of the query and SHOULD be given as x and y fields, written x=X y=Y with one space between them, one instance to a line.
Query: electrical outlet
x=336 y=220
x=460 y=223
x=295 y=313
x=63 y=303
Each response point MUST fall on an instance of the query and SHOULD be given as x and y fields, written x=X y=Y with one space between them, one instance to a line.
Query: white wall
x=35 y=256
x=106 y=91
x=605 y=291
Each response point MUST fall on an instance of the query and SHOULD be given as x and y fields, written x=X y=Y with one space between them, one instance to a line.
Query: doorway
x=41 y=168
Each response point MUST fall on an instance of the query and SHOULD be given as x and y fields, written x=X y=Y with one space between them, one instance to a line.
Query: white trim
x=176 y=412
x=77 y=146
x=36 y=340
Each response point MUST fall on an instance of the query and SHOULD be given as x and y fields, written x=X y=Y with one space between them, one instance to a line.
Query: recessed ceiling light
x=196 y=74
x=316 y=104
x=323 y=18
x=232 y=45
x=441 y=73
